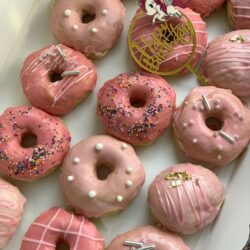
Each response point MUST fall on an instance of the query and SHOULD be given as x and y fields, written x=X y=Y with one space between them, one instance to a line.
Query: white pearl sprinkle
x=184 y=125
x=76 y=160
x=92 y=194
x=67 y=13
x=99 y=147
x=104 y=12
x=119 y=198
x=129 y=183
x=124 y=146
x=236 y=137
x=219 y=157
x=129 y=170
x=70 y=178
x=75 y=27
x=219 y=147
x=94 y=30
x=194 y=141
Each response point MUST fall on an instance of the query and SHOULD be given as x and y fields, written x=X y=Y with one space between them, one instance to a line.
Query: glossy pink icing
x=204 y=7
x=11 y=210
x=79 y=176
x=95 y=38
x=32 y=163
x=202 y=143
x=226 y=63
x=181 y=53
x=239 y=13
x=58 y=225
x=136 y=125
x=61 y=96
x=150 y=236
x=190 y=206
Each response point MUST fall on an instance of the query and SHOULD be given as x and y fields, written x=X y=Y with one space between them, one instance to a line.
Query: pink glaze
x=91 y=195
x=199 y=141
x=32 y=163
x=181 y=54
x=186 y=206
x=239 y=13
x=204 y=7
x=95 y=38
x=58 y=225
x=57 y=96
x=11 y=210
x=149 y=236
x=226 y=63
x=117 y=101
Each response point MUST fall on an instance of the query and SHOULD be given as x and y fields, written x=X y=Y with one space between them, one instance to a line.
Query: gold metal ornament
x=238 y=38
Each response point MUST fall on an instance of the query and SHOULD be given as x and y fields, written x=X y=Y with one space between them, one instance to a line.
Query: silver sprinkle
x=60 y=52
x=227 y=137
x=132 y=243
x=70 y=73
x=206 y=103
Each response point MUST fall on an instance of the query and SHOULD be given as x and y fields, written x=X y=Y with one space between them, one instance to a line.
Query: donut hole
x=55 y=76
x=138 y=98
x=87 y=16
x=28 y=140
x=62 y=245
x=214 y=123
x=103 y=170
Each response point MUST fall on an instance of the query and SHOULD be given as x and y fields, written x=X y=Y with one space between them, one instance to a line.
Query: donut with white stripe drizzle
x=239 y=13
x=147 y=237
x=227 y=61
x=57 y=226
x=185 y=197
x=57 y=78
x=11 y=210
x=212 y=125
x=101 y=175
x=181 y=53
x=90 y=26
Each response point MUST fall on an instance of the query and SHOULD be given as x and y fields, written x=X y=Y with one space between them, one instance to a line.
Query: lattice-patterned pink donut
x=56 y=226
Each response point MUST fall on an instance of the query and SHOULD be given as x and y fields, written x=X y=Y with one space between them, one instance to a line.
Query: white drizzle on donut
x=58 y=61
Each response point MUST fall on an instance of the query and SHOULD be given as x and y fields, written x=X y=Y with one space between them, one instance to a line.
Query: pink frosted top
x=57 y=225
x=212 y=125
x=148 y=236
x=185 y=197
x=136 y=107
x=11 y=210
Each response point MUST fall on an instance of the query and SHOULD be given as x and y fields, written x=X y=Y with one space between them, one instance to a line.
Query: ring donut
x=135 y=107
x=51 y=141
x=101 y=175
x=57 y=227
x=91 y=26
x=57 y=78
x=147 y=237
x=212 y=125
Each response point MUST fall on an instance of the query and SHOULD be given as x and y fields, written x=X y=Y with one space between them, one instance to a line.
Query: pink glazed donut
x=146 y=237
x=135 y=107
x=144 y=28
x=212 y=125
x=57 y=227
x=101 y=175
x=239 y=13
x=185 y=198
x=57 y=78
x=26 y=162
x=204 y=7
x=226 y=62
x=11 y=211
x=90 y=26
